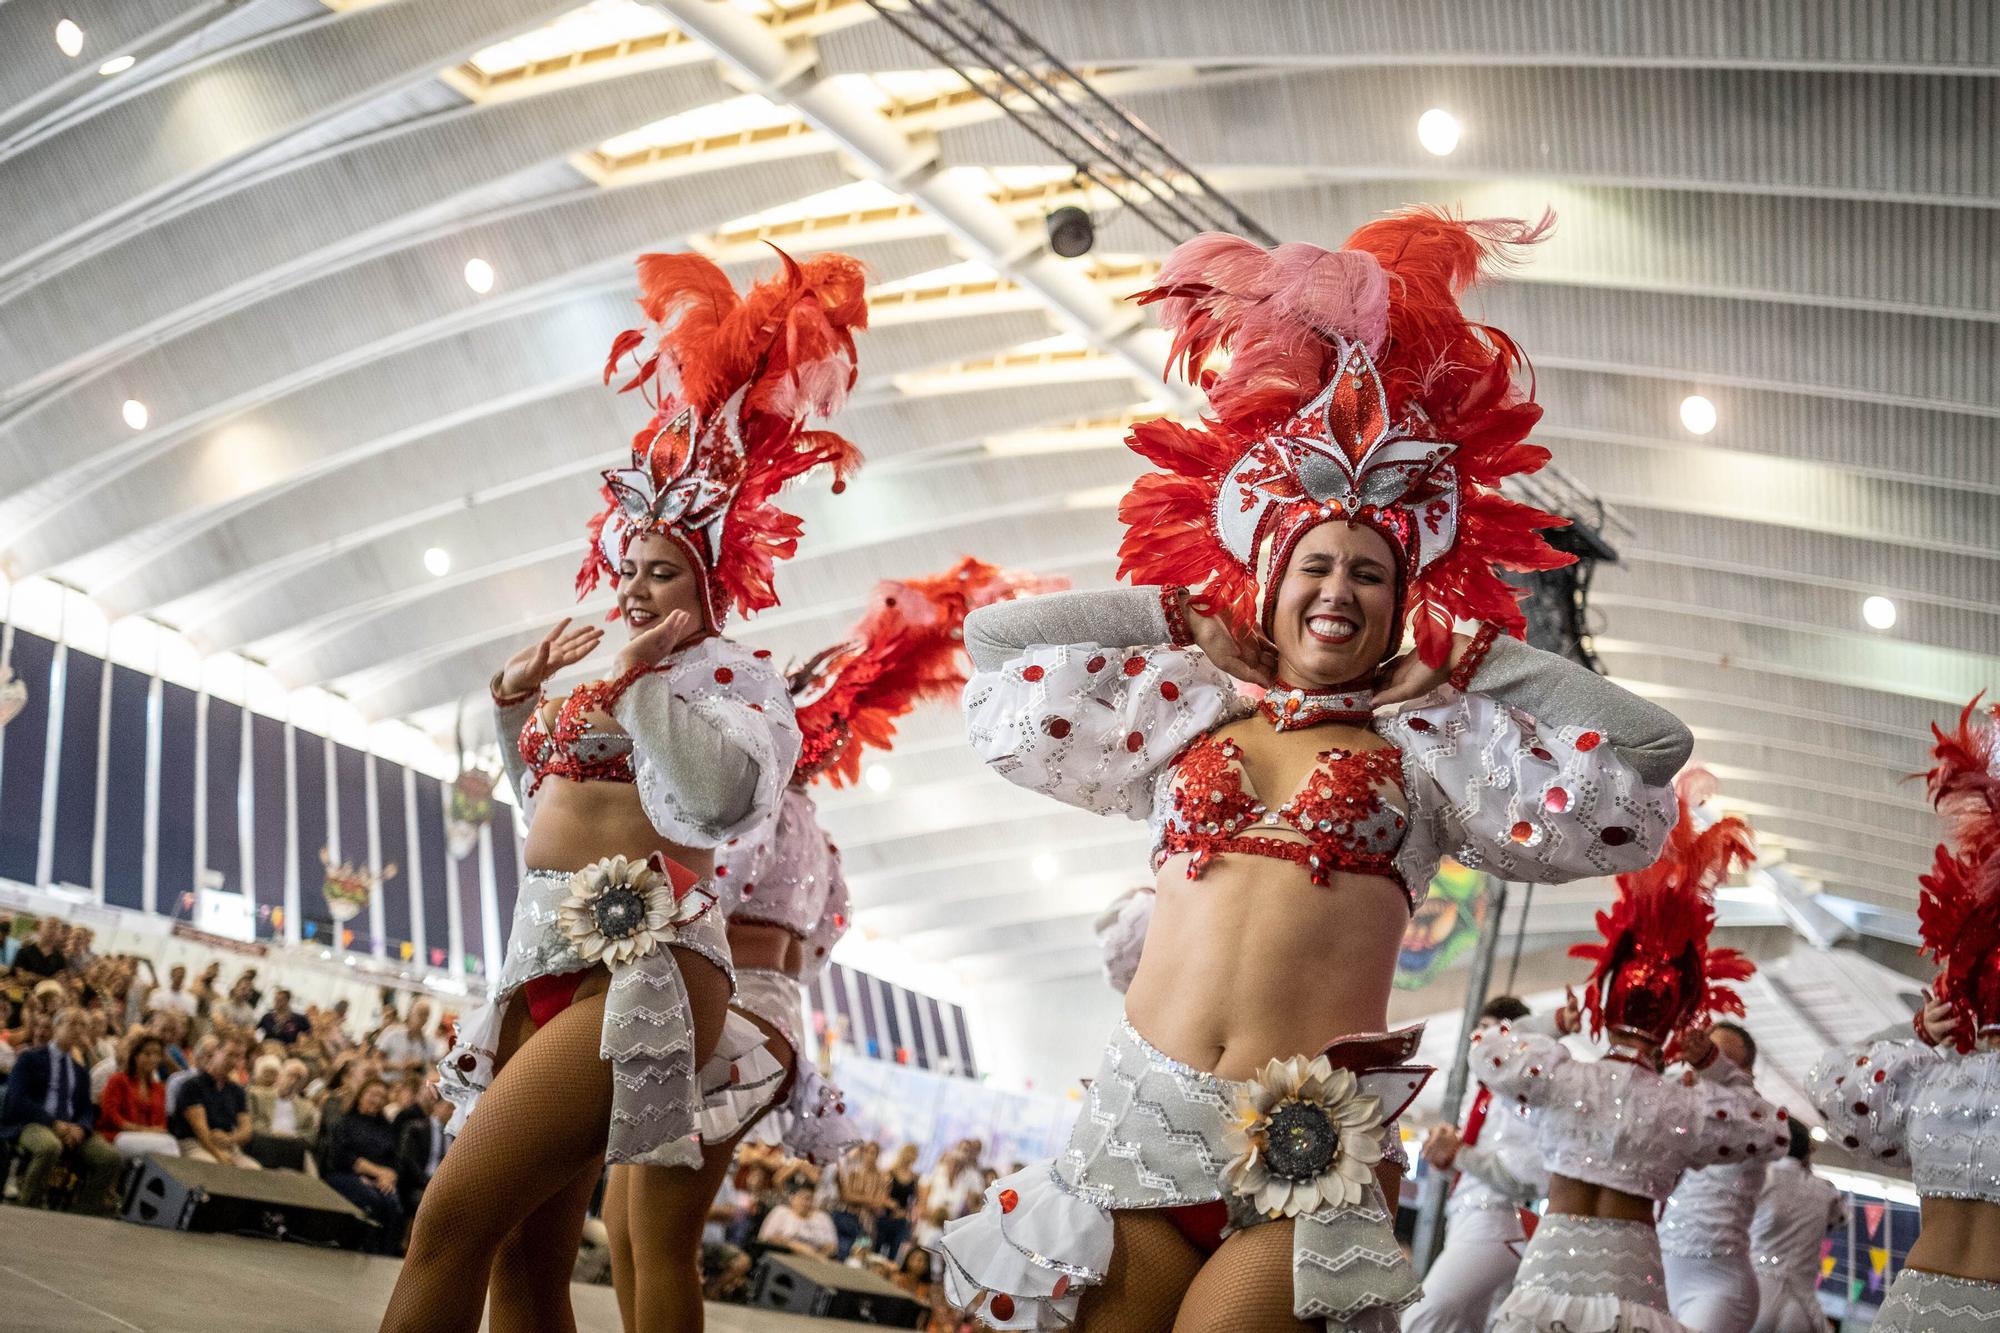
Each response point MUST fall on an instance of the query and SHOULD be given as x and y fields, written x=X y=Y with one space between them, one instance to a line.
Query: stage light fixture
x=878 y=777
x=69 y=37
x=1438 y=131
x=1879 y=612
x=135 y=414
x=479 y=275
x=117 y=64
x=1071 y=232
x=1697 y=414
x=438 y=561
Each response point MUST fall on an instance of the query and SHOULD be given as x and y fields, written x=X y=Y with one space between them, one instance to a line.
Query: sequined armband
x=507 y=700
x=1170 y=606
x=1475 y=653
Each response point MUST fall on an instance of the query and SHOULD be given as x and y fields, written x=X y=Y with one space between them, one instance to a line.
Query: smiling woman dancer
x=1933 y=1100
x=617 y=977
x=1229 y=1171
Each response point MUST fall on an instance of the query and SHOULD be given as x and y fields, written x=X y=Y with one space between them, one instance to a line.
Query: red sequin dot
x=1556 y=801
x=1134 y=665
x=1169 y=691
x=722 y=872
x=1589 y=741
x=749 y=889
x=1061 y=1289
x=1881 y=1074
x=1616 y=836
x=1522 y=831
x=1095 y=664
x=762 y=654
x=1057 y=727
x=1134 y=741
x=1861 y=1108
x=1420 y=724
x=1002 y=1305
x=839 y=921
x=1541 y=754
x=468 y=1063
x=723 y=675
x=1009 y=1200
x=1032 y=673
x=820 y=952
x=1783 y=1115
x=1721 y=1114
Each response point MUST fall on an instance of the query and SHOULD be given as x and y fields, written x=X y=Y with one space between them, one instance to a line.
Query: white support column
x=454 y=909
x=377 y=917
x=489 y=906
x=292 y=908
x=327 y=751
x=101 y=802
x=45 y=845
x=414 y=871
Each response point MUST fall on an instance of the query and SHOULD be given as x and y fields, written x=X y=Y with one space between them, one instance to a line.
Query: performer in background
x=785 y=901
x=1794 y=1213
x=616 y=983
x=1705 y=1229
x=1616 y=1133
x=1487 y=1218
x=1932 y=1100
x=1228 y=1171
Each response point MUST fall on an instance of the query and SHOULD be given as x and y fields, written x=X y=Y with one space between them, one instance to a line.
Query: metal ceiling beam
x=36 y=74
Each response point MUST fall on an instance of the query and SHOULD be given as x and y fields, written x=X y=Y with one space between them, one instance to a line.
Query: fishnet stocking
x=1151 y=1266
x=529 y=1286
x=655 y=1216
x=1245 y=1287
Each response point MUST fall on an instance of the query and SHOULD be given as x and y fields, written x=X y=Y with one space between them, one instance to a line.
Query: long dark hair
x=140 y=1042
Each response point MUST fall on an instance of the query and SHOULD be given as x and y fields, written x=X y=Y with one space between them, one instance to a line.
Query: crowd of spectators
x=104 y=1062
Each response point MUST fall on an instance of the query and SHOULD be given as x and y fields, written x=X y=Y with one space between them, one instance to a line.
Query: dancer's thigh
x=1152 y=1264
x=1245 y=1287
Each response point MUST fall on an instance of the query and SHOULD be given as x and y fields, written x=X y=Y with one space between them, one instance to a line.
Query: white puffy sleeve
x=1520 y=1064
x=508 y=720
x=1731 y=1123
x=1506 y=1159
x=713 y=742
x=1557 y=775
x=1121 y=934
x=833 y=917
x=1078 y=697
x=1866 y=1092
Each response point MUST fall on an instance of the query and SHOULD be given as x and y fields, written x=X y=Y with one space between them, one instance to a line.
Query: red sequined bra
x=1339 y=808
x=575 y=749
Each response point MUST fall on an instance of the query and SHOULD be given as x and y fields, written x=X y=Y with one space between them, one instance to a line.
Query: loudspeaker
x=184 y=1195
x=803 y=1285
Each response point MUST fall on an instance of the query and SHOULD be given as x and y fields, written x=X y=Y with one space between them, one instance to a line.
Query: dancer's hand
x=1569 y=1018
x=1242 y=652
x=561 y=647
x=1410 y=677
x=1939 y=1021
x=1698 y=1048
x=648 y=649
x=1441 y=1147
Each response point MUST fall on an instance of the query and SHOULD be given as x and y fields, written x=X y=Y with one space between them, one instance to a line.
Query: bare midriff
x=576 y=823
x=761 y=944
x=1960 y=1237
x=1580 y=1198
x=1253 y=961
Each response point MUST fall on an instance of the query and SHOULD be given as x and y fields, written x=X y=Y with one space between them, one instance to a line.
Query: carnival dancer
x=1229 y=1169
x=1705 y=1229
x=1487 y=1218
x=616 y=983
x=1932 y=1100
x=1617 y=1134
x=1794 y=1214
x=786 y=905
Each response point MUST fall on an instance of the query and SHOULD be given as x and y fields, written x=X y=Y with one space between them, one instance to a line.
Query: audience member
x=275 y=1140
x=360 y=1159
x=900 y=1184
x=239 y=1008
x=43 y=955
x=174 y=997
x=211 y=1114
x=281 y=1023
x=408 y=1046
x=956 y=1183
x=132 y=1113
x=862 y=1194
x=800 y=1226
x=48 y=1114
x=9 y=946
x=420 y=1148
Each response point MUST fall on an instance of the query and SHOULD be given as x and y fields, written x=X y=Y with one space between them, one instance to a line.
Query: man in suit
x=48 y=1113
x=421 y=1147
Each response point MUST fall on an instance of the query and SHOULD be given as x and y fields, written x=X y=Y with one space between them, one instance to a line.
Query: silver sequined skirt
x=1589 y=1275
x=1934 y=1303
x=648 y=1033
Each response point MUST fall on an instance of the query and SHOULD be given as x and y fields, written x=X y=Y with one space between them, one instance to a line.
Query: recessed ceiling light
x=1879 y=612
x=438 y=561
x=135 y=414
x=878 y=777
x=1438 y=131
x=479 y=275
x=117 y=64
x=1697 y=414
x=69 y=37
x=1044 y=867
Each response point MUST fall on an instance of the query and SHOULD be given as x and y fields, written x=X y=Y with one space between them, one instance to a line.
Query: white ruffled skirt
x=648 y=1035
x=1154 y=1134
x=1589 y=1275
x=1936 y=1303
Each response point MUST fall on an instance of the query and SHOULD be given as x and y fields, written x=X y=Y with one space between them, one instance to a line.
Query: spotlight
x=479 y=275
x=1438 y=131
x=1879 y=612
x=117 y=64
x=438 y=561
x=1697 y=414
x=1818 y=1133
x=69 y=37
x=1044 y=867
x=1071 y=232
x=878 y=777
x=135 y=414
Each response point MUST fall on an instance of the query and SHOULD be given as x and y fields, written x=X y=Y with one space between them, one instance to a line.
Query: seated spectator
x=132 y=1114
x=79 y=948
x=211 y=1114
x=892 y=1228
x=800 y=1226
x=36 y=1029
x=174 y=997
x=9 y=946
x=408 y=1046
x=197 y=1060
x=207 y=991
x=239 y=1008
x=360 y=1164
x=43 y=955
x=284 y=1123
x=48 y=1114
x=281 y=1023
x=420 y=1148
x=172 y=1030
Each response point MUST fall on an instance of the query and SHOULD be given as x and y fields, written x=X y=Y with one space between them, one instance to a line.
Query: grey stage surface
x=63 y=1274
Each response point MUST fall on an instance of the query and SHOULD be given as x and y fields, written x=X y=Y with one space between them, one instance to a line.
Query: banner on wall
x=1445 y=927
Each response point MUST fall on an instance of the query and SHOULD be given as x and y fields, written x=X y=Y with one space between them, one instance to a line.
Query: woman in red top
x=133 y=1111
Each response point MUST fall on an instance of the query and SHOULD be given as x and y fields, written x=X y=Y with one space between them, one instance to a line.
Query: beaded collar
x=1293 y=708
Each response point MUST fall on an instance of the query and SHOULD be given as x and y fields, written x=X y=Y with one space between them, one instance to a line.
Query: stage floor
x=63 y=1274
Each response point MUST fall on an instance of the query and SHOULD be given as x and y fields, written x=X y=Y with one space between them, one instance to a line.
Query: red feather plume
x=1958 y=911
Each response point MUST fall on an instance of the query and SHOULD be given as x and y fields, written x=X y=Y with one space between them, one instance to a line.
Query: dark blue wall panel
x=125 y=791
x=394 y=833
x=225 y=776
x=310 y=752
x=177 y=796
x=267 y=815
x=76 y=776
x=430 y=856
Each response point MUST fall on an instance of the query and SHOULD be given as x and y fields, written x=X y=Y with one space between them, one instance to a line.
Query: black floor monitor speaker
x=184 y=1195
x=803 y=1285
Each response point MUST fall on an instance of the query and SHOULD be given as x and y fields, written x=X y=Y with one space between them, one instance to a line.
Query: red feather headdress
x=732 y=380
x=1958 y=914
x=907 y=648
x=1653 y=971
x=1356 y=389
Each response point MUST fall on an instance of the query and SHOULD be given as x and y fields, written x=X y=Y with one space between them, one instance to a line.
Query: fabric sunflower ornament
x=620 y=909
x=1306 y=1136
